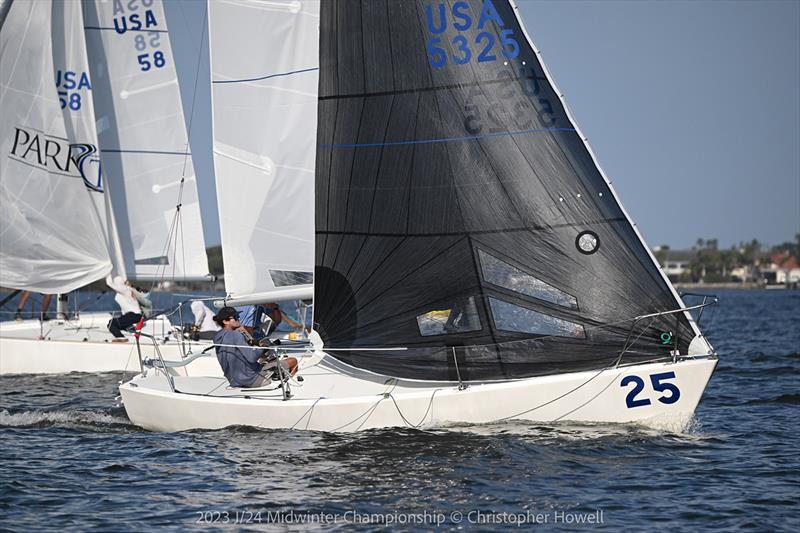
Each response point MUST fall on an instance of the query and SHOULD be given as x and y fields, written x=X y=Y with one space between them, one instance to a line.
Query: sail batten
x=54 y=235
x=444 y=147
x=145 y=147
x=264 y=96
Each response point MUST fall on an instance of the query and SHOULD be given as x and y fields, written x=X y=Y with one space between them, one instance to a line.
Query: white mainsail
x=145 y=149
x=51 y=237
x=264 y=75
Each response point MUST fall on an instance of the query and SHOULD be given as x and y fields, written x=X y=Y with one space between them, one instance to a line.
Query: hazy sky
x=691 y=107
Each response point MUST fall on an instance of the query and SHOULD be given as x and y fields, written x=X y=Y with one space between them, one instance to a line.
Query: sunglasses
x=234 y=317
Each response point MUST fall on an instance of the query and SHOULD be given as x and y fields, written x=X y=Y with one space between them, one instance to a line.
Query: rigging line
x=613 y=379
x=161 y=269
x=268 y=76
x=476 y=232
x=447 y=139
x=179 y=238
x=360 y=416
x=156 y=152
x=183 y=248
x=553 y=400
x=630 y=344
x=309 y=410
x=127 y=362
x=370 y=414
x=430 y=404
x=196 y=78
x=101 y=28
x=460 y=85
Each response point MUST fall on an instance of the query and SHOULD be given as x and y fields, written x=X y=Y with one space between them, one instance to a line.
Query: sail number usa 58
x=637 y=397
x=484 y=47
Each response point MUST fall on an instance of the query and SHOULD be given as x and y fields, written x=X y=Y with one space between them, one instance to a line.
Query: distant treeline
x=745 y=262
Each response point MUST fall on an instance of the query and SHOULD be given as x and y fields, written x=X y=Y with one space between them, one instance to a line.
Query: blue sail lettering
x=483 y=47
x=124 y=23
x=442 y=19
x=459 y=12
x=84 y=83
x=69 y=80
x=489 y=12
x=134 y=22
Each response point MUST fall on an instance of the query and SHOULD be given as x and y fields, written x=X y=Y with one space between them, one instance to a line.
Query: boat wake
x=112 y=420
x=573 y=431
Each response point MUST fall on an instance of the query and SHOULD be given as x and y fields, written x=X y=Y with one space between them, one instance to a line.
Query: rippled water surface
x=70 y=459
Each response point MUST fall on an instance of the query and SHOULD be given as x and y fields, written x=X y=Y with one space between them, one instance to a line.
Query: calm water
x=70 y=459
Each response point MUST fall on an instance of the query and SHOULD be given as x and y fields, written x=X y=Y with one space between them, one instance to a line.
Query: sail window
x=159 y=260
x=461 y=316
x=287 y=278
x=587 y=242
x=510 y=317
x=502 y=274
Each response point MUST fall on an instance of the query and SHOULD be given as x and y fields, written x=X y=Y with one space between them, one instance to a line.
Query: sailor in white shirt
x=132 y=303
x=204 y=325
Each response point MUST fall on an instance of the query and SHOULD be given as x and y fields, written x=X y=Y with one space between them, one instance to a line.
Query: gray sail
x=145 y=156
x=458 y=210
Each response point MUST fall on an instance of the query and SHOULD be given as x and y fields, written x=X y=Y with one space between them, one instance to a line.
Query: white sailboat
x=141 y=159
x=473 y=263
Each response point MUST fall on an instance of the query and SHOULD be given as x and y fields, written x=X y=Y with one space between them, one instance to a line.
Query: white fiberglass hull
x=334 y=397
x=84 y=345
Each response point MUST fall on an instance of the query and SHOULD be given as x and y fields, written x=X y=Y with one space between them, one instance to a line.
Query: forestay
x=458 y=209
x=145 y=149
x=52 y=236
x=264 y=71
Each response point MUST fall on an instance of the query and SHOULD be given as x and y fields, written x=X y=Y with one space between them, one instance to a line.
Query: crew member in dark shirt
x=239 y=360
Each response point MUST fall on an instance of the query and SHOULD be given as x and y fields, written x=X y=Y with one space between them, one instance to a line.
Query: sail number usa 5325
x=485 y=46
x=637 y=397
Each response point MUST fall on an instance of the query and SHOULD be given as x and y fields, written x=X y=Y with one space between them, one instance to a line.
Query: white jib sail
x=264 y=75
x=51 y=239
x=145 y=148
x=74 y=86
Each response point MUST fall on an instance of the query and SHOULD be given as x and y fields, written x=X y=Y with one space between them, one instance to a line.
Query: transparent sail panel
x=289 y=278
x=510 y=317
x=461 y=316
x=502 y=274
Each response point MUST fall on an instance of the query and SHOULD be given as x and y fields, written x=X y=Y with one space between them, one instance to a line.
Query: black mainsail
x=458 y=211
